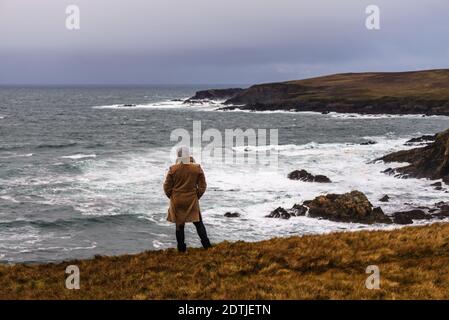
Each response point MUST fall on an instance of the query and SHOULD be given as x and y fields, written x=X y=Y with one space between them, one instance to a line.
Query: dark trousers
x=200 y=229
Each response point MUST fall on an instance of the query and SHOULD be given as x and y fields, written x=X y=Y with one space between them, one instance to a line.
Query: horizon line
x=203 y=84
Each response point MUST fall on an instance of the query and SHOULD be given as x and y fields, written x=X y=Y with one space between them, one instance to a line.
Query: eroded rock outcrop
x=214 y=94
x=431 y=161
x=348 y=207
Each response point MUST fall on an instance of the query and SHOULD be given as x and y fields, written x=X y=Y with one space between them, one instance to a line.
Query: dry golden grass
x=413 y=261
x=421 y=85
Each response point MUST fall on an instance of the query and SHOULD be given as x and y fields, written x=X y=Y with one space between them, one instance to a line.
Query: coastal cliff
x=415 y=92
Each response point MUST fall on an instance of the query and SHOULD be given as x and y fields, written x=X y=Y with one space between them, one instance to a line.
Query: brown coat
x=184 y=186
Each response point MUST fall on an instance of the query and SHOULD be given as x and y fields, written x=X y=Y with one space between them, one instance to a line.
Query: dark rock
x=128 y=105
x=322 y=179
x=193 y=101
x=379 y=213
x=348 y=207
x=385 y=198
x=442 y=214
x=441 y=210
x=298 y=210
x=420 y=140
x=389 y=171
x=325 y=112
x=303 y=175
x=279 y=213
x=402 y=219
x=232 y=214
x=367 y=143
x=444 y=206
x=438 y=186
x=405 y=217
x=214 y=94
x=431 y=161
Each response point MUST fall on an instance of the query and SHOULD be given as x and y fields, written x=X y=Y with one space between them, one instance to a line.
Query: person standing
x=184 y=185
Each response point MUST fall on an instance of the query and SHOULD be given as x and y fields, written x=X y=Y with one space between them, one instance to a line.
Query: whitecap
x=80 y=156
x=339 y=115
x=382 y=116
x=168 y=104
x=157 y=244
x=27 y=155
x=240 y=109
x=10 y=199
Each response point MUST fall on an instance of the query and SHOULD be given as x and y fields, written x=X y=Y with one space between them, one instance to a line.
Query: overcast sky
x=215 y=41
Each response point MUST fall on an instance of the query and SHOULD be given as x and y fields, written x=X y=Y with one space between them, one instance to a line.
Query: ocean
x=81 y=175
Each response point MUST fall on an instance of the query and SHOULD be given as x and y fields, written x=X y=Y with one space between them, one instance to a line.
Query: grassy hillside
x=413 y=262
x=374 y=92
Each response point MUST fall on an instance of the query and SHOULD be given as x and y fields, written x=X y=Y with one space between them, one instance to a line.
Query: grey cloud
x=203 y=41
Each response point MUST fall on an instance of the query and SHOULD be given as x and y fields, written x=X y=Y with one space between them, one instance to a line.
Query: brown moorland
x=413 y=262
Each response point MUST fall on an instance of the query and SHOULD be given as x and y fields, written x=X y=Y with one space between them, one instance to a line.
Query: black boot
x=180 y=238
x=206 y=243
x=201 y=230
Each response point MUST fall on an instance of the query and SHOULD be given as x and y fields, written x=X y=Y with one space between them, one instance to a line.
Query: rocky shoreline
x=430 y=161
x=354 y=207
x=373 y=107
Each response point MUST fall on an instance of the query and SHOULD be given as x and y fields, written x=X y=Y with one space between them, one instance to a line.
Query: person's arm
x=202 y=185
x=168 y=184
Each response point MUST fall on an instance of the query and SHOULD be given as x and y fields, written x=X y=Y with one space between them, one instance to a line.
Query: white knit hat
x=183 y=155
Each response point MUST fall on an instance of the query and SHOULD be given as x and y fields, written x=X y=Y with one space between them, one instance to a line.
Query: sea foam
x=80 y=156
